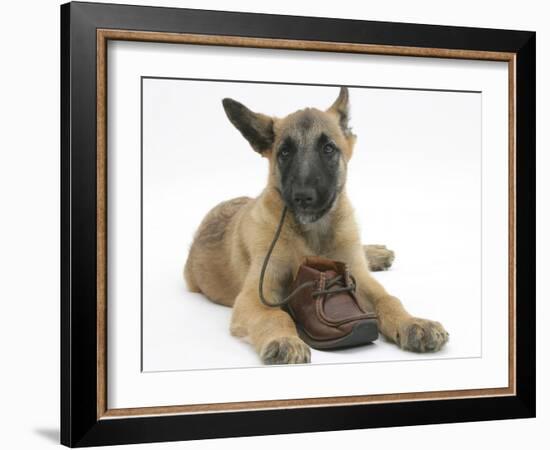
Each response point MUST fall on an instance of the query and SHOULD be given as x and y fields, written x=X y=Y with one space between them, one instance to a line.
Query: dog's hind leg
x=379 y=257
x=205 y=269
x=189 y=279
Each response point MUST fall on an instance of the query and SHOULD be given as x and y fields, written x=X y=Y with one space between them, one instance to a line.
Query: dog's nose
x=304 y=197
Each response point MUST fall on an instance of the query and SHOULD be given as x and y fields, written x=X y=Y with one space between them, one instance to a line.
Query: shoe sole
x=363 y=333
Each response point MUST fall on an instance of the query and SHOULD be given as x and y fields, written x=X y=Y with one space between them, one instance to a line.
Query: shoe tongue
x=330 y=274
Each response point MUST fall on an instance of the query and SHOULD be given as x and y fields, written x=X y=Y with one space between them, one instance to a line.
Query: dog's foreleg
x=395 y=323
x=271 y=331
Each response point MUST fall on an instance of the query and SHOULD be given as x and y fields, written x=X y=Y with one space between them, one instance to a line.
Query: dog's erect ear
x=341 y=109
x=256 y=128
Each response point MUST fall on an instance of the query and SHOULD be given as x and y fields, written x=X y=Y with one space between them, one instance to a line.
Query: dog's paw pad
x=286 y=350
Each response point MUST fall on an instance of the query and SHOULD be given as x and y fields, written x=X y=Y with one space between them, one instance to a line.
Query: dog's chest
x=318 y=236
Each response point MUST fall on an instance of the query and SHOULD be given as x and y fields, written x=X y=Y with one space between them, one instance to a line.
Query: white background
x=414 y=181
x=29 y=186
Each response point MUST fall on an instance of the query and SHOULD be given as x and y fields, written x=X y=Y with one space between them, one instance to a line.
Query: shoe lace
x=338 y=280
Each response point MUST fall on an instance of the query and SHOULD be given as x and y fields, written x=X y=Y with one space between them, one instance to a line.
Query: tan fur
x=231 y=243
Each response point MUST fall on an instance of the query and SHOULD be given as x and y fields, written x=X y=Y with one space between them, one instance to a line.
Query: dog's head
x=308 y=152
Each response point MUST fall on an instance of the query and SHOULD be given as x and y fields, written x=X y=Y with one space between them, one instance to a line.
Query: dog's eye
x=329 y=148
x=284 y=153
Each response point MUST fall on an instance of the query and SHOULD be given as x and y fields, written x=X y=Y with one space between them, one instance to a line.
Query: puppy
x=308 y=153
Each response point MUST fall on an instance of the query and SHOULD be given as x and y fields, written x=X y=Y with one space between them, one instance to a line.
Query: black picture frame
x=80 y=425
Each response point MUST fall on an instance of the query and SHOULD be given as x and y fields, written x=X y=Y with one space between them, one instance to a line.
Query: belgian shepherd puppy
x=308 y=152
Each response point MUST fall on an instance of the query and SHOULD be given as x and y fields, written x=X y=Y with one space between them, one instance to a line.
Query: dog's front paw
x=421 y=335
x=285 y=350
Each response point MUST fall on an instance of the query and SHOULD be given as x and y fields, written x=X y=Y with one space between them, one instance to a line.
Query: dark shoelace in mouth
x=340 y=280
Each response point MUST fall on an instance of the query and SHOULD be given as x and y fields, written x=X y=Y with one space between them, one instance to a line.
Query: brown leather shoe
x=327 y=313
